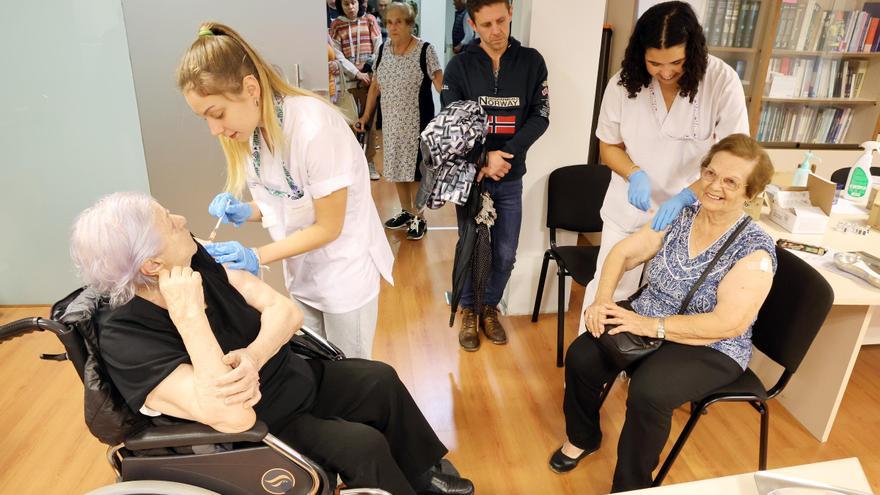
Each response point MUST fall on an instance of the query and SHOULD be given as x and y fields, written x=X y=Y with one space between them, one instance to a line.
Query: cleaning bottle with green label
x=859 y=181
x=803 y=172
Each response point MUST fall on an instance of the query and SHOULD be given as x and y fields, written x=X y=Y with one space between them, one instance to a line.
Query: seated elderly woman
x=706 y=347
x=187 y=338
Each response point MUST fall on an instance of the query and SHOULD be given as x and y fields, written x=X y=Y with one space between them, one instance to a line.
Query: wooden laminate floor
x=498 y=410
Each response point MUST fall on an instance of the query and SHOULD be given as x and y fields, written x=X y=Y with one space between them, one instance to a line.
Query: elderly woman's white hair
x=111 y=240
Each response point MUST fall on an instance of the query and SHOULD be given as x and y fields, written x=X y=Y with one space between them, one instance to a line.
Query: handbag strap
x=687 y=299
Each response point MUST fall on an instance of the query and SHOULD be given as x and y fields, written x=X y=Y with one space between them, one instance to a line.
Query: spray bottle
x=803 y=172
x=858 y=183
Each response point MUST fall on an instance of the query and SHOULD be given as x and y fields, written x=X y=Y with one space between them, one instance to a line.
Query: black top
x=517 y=100
x=141 y=346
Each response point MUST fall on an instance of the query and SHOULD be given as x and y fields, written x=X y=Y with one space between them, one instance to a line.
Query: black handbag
x=625 y=348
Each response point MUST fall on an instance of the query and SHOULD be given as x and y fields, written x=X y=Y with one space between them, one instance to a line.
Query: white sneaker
x=374 y=174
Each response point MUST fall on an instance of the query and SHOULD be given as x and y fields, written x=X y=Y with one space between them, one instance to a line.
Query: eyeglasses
x=727 y=183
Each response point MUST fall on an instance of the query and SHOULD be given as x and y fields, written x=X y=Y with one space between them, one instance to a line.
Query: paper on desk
x=847 y=207
x=793 y=199
x=825 y=261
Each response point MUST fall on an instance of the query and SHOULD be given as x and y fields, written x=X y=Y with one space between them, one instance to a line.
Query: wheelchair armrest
x=188 y=434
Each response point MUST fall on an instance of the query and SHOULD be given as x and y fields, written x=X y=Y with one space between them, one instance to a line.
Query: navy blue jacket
x=517 y=101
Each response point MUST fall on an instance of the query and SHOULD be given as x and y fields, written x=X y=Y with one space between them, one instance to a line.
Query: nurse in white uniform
x=669 y=103
x=308 y=180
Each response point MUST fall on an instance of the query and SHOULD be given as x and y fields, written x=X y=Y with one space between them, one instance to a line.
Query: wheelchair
x=177 y=457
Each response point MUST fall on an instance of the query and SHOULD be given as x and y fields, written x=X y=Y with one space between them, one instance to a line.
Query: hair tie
x=206 y=32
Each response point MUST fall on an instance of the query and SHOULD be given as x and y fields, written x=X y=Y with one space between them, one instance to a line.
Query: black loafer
x=448 y=484
x=562 y=463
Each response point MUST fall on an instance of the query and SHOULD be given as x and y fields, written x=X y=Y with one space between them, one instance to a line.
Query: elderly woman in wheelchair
x=185 y=338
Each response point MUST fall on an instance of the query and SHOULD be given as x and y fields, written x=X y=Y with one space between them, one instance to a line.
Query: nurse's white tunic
x=668 y=146
x=323 y=157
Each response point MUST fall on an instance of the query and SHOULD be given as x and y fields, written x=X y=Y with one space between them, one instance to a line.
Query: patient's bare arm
x=190 y=391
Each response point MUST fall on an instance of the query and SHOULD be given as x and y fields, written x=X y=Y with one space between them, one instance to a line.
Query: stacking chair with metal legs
x=574 y=197
x=787 y=323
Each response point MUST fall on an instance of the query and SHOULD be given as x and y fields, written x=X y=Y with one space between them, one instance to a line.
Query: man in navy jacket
x=510 y=82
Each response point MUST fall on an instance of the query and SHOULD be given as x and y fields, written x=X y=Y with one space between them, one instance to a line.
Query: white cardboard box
x=802 y=210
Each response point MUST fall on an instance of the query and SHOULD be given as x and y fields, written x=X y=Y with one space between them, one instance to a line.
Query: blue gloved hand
x=640 y=190
x=237 y=256
x=670 y=210
x=234 y=212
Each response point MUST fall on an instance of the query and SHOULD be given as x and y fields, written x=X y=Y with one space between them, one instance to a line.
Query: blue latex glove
x=640 y=190
x=670 y=210
x=234 y=256
x=235 y=212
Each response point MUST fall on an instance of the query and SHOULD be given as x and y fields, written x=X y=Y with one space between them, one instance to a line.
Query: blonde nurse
x=308 y=180
x=669 y=103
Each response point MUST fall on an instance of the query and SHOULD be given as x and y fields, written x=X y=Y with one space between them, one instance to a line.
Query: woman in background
x=404 y=71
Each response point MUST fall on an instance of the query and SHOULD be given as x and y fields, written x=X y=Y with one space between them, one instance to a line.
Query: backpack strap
x=379 y=58
x=423 y=60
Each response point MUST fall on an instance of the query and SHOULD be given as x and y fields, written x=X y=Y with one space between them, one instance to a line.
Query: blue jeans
x=507 y=197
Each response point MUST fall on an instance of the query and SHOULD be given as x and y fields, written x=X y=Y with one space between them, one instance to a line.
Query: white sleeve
x=730 y=103
x=347 y=67
x=608 y=127
x=329 y=153
x=469 y=34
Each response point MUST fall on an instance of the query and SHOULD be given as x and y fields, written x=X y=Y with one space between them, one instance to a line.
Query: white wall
x=572 y=57
x=434 y=29
x=69 y=131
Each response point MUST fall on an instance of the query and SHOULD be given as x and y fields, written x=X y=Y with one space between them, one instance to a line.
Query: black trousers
x=365 y=426
x=673 y=375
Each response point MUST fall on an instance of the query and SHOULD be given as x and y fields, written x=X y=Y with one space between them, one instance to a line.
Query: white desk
x=844 y=473
x=813 y=396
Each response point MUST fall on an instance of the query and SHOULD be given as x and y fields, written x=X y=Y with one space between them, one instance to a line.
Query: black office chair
x=574 y=198
x=787 y=323
x=178 y=457
x=840 y=175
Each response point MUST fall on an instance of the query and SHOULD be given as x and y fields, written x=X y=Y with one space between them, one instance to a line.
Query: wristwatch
x=661 y=328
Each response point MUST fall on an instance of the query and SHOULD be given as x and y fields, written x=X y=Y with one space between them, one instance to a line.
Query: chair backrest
x=793 y=312
x=107 y=415
x=840 y=175
x=575 y=195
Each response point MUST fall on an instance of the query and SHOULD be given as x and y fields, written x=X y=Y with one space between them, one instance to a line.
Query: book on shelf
x=731 y=23
x=806 y=26
x=804 y=124
x=815 y=77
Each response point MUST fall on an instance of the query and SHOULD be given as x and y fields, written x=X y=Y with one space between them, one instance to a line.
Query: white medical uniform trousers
x=629 y=282
x=352 y=332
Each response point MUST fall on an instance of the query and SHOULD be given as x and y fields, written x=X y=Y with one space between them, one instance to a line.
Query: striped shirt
x=356 y=39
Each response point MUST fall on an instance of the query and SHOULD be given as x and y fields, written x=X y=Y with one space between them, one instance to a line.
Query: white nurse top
x=323 y=157
x=668 y=146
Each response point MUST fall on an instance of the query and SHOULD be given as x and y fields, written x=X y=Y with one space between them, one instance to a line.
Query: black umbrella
x=473 y=251
x=464 y=250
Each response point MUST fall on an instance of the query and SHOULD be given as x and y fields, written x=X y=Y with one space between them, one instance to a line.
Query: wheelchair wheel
x=150 y=487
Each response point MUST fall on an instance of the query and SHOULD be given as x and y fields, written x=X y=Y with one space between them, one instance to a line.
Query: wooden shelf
x=799 y=53
x=809 y=146
x=823 y=101
x=731 y=49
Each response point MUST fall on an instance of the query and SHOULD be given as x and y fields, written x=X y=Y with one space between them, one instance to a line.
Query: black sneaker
x=417 y=229
x=399 y=221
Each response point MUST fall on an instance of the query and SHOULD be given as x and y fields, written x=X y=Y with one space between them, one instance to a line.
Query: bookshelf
x=810 y=68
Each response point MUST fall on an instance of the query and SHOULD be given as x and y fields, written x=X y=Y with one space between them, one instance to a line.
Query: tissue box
x=802 y=210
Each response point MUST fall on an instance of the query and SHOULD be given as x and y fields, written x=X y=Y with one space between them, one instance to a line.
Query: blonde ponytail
x=217 y=63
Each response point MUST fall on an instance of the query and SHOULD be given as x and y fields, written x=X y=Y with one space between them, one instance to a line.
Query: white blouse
x=323 y=157
x=667 y=145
